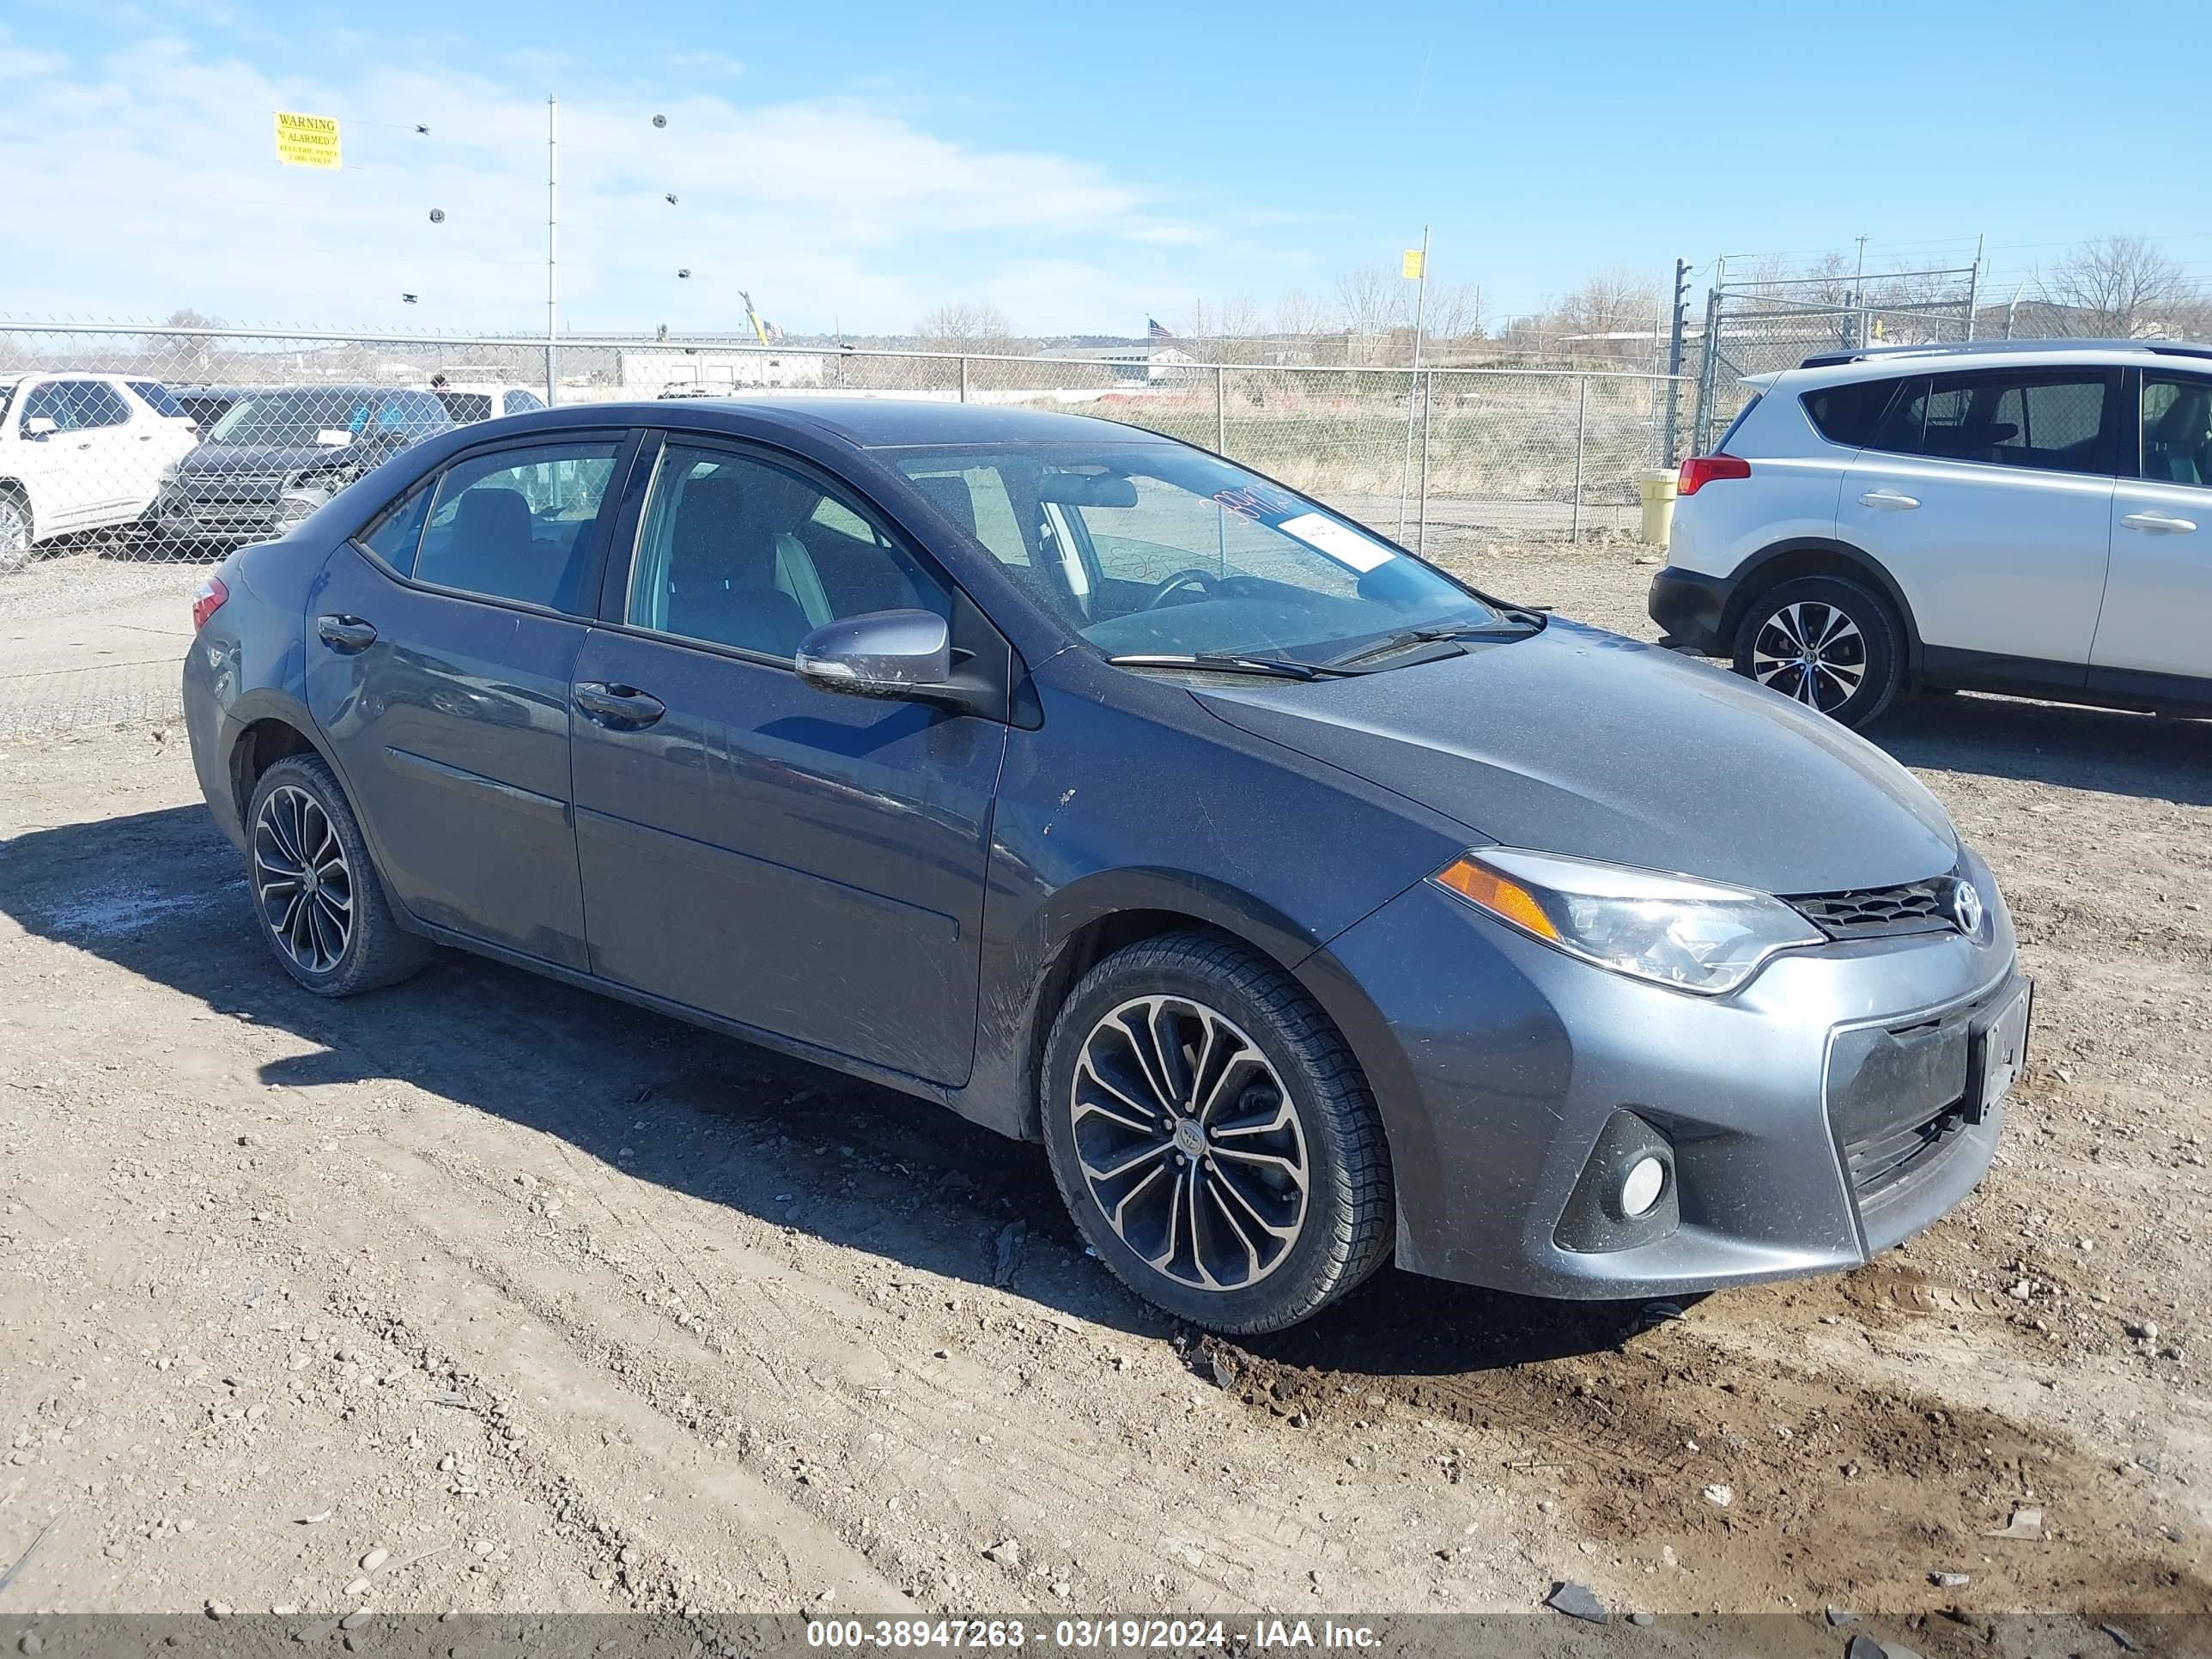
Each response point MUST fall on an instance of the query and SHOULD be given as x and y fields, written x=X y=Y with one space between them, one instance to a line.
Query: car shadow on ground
x=2150 y=757
x=794 y=1144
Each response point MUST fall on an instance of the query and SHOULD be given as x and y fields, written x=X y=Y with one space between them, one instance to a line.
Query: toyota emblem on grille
x=1965 y=907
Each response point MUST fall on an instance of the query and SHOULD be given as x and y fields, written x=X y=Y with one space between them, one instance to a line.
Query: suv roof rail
x=1968 y=347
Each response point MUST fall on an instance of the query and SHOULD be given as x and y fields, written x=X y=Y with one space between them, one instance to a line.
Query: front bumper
x=1691 y=606
x=1813 y=1118
x=211 y=519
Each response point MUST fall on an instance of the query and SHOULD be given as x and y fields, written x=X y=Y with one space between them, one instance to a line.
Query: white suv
x=78 y=451
x=2031 y=518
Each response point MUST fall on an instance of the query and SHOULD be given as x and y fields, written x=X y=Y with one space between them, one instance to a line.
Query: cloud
x=146 y=180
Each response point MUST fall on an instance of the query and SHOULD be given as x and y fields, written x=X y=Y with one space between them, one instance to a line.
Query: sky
x=1079 y=167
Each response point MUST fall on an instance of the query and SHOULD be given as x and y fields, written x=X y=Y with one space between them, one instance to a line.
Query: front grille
x=1876 y=1162
x=1897 y=1096
x=1918 y=907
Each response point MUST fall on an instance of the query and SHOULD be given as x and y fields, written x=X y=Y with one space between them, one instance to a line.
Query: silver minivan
x=2032 y=518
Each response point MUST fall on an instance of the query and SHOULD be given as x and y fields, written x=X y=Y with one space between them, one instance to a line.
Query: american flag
x=1155 y=333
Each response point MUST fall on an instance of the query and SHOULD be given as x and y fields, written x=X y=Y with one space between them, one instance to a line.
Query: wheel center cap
x=309 y=881
x=1190 y=1138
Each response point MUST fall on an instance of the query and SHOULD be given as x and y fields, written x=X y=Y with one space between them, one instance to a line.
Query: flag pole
x=1413 y=381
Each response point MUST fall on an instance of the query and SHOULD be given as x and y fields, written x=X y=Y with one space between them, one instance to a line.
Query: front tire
x=16 y=545
x=1214 y=1136
x=1825 y=642
x=318 y=898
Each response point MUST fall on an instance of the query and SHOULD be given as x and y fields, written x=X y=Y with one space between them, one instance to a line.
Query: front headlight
x=1677 y=930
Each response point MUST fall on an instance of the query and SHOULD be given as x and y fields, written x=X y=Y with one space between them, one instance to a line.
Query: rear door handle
x=1889 y=501
x=2159 y=523
x=618 y=707
x=345 y=635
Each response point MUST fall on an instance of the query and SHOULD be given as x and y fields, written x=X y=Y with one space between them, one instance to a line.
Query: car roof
x=1876 y=361
x=864 y=422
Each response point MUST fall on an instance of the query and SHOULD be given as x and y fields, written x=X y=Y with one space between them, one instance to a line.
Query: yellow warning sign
x=306 y=141
x=1410 y=266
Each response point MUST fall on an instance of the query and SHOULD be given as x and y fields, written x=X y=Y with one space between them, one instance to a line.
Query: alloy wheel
x=1189 y=1143
x=302 y=880
x=1812 y=652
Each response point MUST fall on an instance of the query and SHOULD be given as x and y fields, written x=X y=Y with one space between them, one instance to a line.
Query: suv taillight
x=208 y=599
x=1701 y=470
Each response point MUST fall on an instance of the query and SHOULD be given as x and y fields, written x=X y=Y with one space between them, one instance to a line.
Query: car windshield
x=292 y=419
x=1158 y=549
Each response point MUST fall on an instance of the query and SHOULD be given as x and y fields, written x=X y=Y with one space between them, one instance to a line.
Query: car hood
x=1578 y=741
x=265 y=459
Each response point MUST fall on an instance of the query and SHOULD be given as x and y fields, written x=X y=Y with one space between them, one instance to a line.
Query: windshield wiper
x=1517 y=626
x=1275 y=668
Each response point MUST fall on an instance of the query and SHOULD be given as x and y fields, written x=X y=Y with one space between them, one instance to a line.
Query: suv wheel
x=1828 y=643
x=1214 y=1136
x=320 y=904
x=15 y=531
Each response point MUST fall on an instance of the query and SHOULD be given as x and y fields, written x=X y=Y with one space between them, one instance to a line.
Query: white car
x=78 y=451
x=485 y=400
x=2028 y=518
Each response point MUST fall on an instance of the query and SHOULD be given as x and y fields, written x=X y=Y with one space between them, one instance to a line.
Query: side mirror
x=40 y=426
x=884 y=654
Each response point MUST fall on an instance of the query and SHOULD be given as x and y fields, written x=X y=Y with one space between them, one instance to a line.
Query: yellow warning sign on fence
x=306 y=141
x=1410 y=266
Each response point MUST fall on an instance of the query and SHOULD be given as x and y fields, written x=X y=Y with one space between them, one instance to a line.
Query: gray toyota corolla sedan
x=1313 y=909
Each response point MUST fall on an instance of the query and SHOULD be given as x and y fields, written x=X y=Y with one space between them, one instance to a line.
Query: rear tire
x=1827 y=643
x=315 y=892
x=1214 y=1136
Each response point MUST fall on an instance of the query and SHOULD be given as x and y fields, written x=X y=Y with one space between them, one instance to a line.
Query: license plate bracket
x=1996 y=1052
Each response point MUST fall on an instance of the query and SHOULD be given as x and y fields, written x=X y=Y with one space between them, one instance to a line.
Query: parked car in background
x=485 y=400
x=1335 y=909
x=274 y=440
x=2032 y=518
x=206 y=404
x=78 y=451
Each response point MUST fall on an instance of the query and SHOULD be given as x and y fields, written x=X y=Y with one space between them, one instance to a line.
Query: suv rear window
x=158 y=399
x=1849 y=414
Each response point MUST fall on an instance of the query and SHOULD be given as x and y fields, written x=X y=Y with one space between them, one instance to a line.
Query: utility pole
x=1974 y=283
x=552 y=241
x=1858 y=298
x=1674 y=334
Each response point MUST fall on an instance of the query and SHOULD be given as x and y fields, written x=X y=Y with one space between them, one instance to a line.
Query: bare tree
x=1298 y=314
x=968 y=325
x=1455 y=314
x=2115 y=286
x=1371 y=301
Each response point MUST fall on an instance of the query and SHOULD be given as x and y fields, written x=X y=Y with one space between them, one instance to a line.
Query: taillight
x=1701 y=470
x=207 y=599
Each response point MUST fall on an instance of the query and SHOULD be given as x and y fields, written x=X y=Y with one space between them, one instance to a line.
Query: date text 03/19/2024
x=1084 y=1635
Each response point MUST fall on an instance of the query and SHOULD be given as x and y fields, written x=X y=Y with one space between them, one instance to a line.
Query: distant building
x=647 y=373
x=1135 y=364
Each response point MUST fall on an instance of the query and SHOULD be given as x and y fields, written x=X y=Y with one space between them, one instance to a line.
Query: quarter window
x=516 y=523
x=1849 y=414
x=740 y=552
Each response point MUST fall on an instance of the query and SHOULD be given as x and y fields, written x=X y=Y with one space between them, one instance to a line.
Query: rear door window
x=2051 y=421
x=517 y=523
x=2177 y=430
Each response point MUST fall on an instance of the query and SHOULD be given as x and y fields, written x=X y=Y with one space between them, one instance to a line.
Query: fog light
x=1641 y=1186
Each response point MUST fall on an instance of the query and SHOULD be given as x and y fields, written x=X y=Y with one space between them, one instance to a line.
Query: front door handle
x=2159 y=523
x=345 y=635
x=1889 y=501
x=618 y=707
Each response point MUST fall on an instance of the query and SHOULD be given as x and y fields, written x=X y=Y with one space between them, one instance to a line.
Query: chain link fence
x=1761 y=325
x=125 y=447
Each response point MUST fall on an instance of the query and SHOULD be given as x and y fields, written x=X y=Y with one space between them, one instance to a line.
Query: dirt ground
x=551 y=1304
